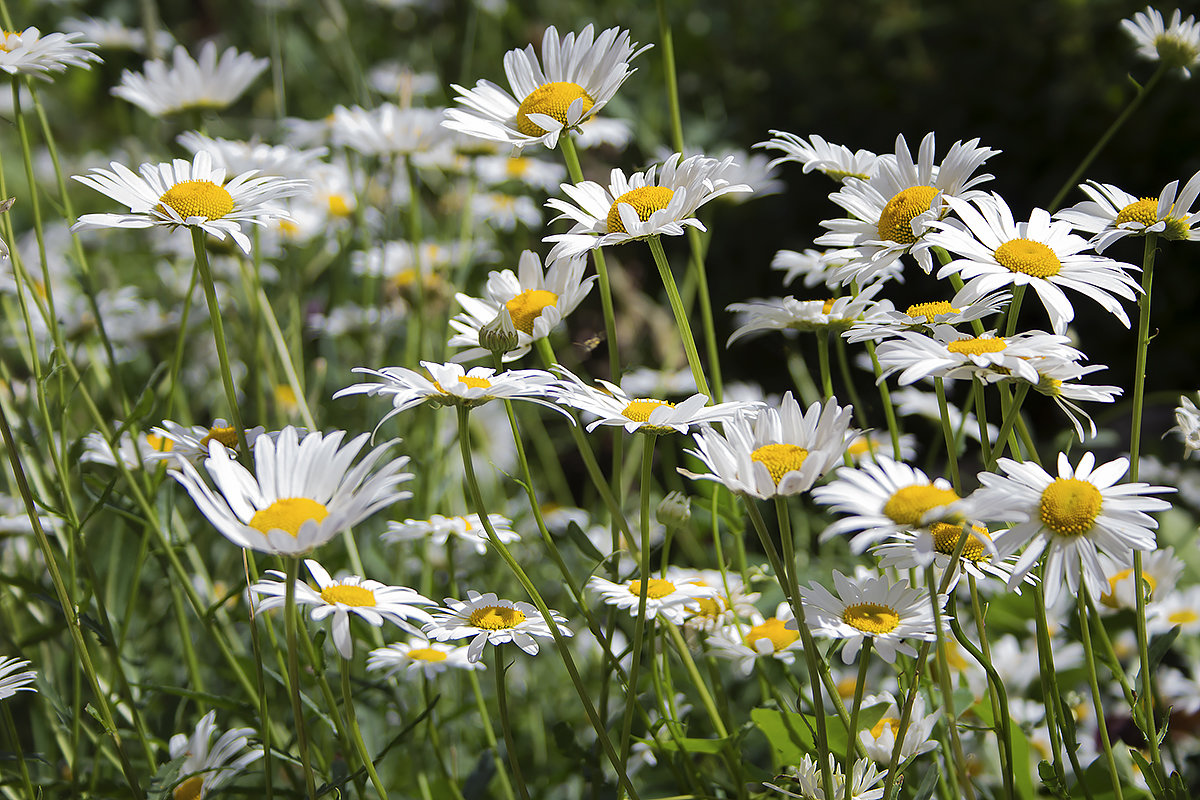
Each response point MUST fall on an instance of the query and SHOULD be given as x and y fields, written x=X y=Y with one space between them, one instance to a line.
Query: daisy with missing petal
x=780 y=452
x=762 y=637
x=160 y=89
x=193 y=195
x=650 y=203
x=582 y=73
x=889 y=613
x=370 y=600
x=420 y=655
x=208 y=765
x=1071 y=518
x=190 y=442
x=1113 y=213
x=439 y=529
x=1176 y=45
x=536 y=300
x=947 y=353
x=302 y=493
x=673 y=602
x=486 y=618
x=996 y=252
x=890 y=212
x=30 y=53
x=814 y=153
x=14 y=677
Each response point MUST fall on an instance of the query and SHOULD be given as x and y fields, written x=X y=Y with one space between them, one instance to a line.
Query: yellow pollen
x=1028 y=257
x=931 y=309
x=871 y=618
x=909 y=504
x=517 y=167
x=846 y=687
x=1110 y=599
x=780 y=459
x=946 y=536
x=895 y=221
x=859 y=447
x=189 y=789
x=426 y=654
x=553 y=100
x=472 y=382
x=198 y=199
x=526 y=307
x=977 y=346
x=774 y=630
x=1069 y=506
x=225 y=435
x=655 y=588
x=338 y=206
x=640 y=410
x=1183 y=617
x=160 y=443
x=465 y=522
x=348 y=595
x=1144 y=211
x=710 y=607
x=288 y=514
x=645 y=201
x=495 y=618
x=887 y=722
x=828 y=305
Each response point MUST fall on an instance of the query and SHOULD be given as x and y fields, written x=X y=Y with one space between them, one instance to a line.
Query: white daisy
x=1113 y=213
x=182 y=194
x=671 y=601
x=190 y=442
x=1187 y=425
x=649 y=203
x=371 y=600
x=1160 y=572
x=30 y=53
x=113 y=34
x=815 y=153
x=889 y=212
x=301 y=494
x=1176 y=45
x=160 y=89
x=14 y=677
x=208 y=765
x=419 y=655
x=760 y=637
x=486 y=618
x=393 y=79
x=869 y=444
x=835 y=314
x=535 y=173
x=882 y=319
x=582 y=73
x=134 y=450
x=778 y=453
x=439 y=529
x=1056 y=381
x=889 y=613
x=881 y=739
x=863 y=785
x=936 y=544
x=1072 y=517
x=387 y=129
x=815 y=266
x=237 y=156
x=729 y=601
x=949 y=354
x=1180 y=608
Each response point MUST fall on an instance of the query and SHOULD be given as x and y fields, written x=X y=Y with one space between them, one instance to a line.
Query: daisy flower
x=883 y=319
x=835 y=314
x=614 y=407
x=889 y=613
x=730 y=599
x=387 y=129
x=814 y=266
x=996 y=252
x=1055 y=380
x=1187 y=425
x=780 y=452
x=764 y=637
x=194 y=195
x=534 y=173
x=160 y=89
x=439 y=529
x=237 y=156
x=1176 y=45
x=14 y=677
x=881 y=739
x=1180 y=608
x=420 y=655
x=30 y=53
x=890 y=211
x=302 y=493
x=134 y=450
x=114 y=35
x=207 y=766
x=582 y=73
x=869 y=444
x=1113 y=213
x=886 y=498
x=650 y=203
x=536 y=300
x=486 y=618
x=1160 y=572
x=863 y=784
x=673 y=602
x=1072 y=518
x=190 y=442
x=936 y=545
x=814 y=153
x=947 y=353
x=370 y=600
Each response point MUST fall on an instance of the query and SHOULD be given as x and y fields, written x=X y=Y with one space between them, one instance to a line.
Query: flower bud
x=675 y=510
x=500 y=335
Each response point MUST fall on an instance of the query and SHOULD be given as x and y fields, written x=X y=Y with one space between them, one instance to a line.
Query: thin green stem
x=864 y=661
x=356 y=734
x=290 y=621
x=509 y=743
x=960 y=782
x=489 y=734
x=1097 y=701
x=823 y=362
x=681 y=320
x=885 y=396
x=948 y=435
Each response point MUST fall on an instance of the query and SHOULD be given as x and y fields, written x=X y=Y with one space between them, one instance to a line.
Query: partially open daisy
x=919 y=738
x=183 y=194
x=650 y=203
x=370 y=600
x=835 y=314
x=438 y=530
x=1113 y=213
x=536 y=300
x=420 y=655
x=758 y=637
x=814 y=153
x=1070 y=517
x=994 y=252
x=947 y=353
x=889 y=613
x=672 y=602
x=807 y=780
x=162 y=89
x=28 y=52
x=889 y=212
x=486 y=618
x=302 y=493
x=1187 y=425
x=582 y=73
x=14 y=677
x=190 y=442
x=1175 y=44
x=208 y=765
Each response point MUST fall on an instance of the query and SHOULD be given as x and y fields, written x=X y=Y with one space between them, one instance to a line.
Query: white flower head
x=1113 y=213
x=208 y=765
x=1187 y=424
x=760 y=637
x=815 y=154
x=487 y=618
x=30 y=53
x=880 y=740
x=190 y=442
x=387 y=129
x=1175 y=44
x=672 y=602
x=834 y=314
x=419 y=655
x=947 y=353
x=439 y=530
x=186 y=83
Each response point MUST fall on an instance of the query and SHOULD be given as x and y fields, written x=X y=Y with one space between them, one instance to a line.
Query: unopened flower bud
x=500 y=335
x=675 y=510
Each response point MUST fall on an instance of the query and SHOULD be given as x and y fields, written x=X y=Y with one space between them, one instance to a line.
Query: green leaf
x=580 y=540
x=1159 y=646
x=928 y=785
x=790 y=735
x=688 y=745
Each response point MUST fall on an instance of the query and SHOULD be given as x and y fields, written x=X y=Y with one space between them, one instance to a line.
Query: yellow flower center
x=775 y=631
x=860 y=446
x=517 y=167
x=640 y=410
x=1144 y=212
x=827 y=306
x=1069 y=506
x=1028 y=257
x=871 y=618
x=977 y=346
x=160 y=443
x=846 y=687
x=348 y=595
x=1110 y=599
x=946 y=536
x=189 y=789
x=495 y=618
x=288 y=514
x=780 y=459
x=895 y=221
x=655 y=588
x=527 y=306
x=426 y=654
x=890 y=723
x=226 y=435
x=645 y=201
x=1175 y=51
x=339 y=207
x=909 y=504
x=553 y=100
x=472 y=382
x=1183 y=617
x=198 y=199
x=928 y=310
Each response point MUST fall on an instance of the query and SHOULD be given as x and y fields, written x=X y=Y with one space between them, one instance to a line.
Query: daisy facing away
x=209 y=765
x=14 y=677
x=581 y=74
x=160 y=89
x=485 y=618
x=191 y=195
x=28 y=52
x=1176 y=44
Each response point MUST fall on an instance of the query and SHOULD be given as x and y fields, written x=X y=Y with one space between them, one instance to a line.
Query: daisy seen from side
x=430 y=659
x=486 y=618
x=672 y=602
x=834 y=315
x=28 y=52
x=1176 y=43
x=190 y=442
x=883 y=319
x=15 y=677
x=815 y=154
x=207 y=83
x=756 y=638
x=1112 y=213
x=863 y=784
x=209 y=765
x=439 y=530
x=947 y=353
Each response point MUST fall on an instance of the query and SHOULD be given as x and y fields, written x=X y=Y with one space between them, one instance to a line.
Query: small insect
x=591 y=343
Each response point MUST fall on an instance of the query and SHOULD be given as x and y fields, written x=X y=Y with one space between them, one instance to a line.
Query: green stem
x=489 y=734
x=958 y=776
x=681 y=320
x=885 y=396
x=1011 y=414
x=948 y=435
x=356 y=734
x=290 y=614
x=1097 y=701
x=509 y=743
x=864 y=660
x=823 y=362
